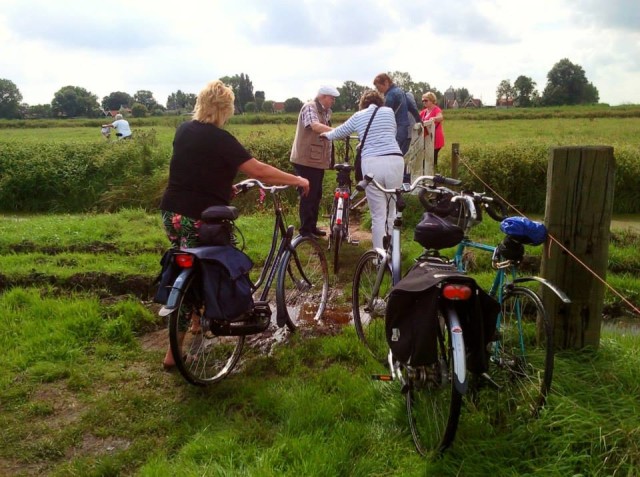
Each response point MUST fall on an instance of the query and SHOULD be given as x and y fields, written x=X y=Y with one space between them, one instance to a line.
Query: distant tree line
x=567 y=84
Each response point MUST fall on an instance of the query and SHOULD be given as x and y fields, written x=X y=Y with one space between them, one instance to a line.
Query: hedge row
x=106 y=176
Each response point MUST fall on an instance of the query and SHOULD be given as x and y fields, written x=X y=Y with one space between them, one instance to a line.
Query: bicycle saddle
x=220 y=212
x=343 y=167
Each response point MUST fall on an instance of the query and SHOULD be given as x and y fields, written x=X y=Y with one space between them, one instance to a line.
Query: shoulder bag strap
x=366 y=131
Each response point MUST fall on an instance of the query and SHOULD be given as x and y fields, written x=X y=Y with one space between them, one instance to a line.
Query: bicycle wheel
x=201 y=357
x=303 y=282
x=336 y=241
x=522 y=360
x=433 y=403
x=370 y=303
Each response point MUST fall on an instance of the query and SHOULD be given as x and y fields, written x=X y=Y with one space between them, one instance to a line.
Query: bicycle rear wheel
x=369 y=303
x=522 y=359
x=433 y=402
x=303 y=283
x=201 y=357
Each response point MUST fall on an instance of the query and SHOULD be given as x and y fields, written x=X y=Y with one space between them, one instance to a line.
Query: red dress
x=438 y=142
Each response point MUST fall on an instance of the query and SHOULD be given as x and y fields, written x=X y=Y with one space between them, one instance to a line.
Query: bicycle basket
x=435 y=233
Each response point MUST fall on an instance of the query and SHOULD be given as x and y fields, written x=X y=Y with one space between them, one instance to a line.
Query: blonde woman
x=432 y=111
x=205 y=162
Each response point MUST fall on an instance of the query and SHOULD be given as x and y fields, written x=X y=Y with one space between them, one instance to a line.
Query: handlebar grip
x=438 y=179
x=364 y=182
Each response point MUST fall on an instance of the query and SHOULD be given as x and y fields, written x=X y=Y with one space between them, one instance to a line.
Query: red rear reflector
x=339 y=221
x=184 y=260
x=345 y=195
x=456 y=292
x=336 y=194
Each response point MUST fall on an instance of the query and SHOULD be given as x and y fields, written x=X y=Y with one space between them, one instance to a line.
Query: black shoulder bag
x=358 y=162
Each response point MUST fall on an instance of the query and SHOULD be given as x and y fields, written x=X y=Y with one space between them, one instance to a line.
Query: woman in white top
x=123 y=131
x=381 y=158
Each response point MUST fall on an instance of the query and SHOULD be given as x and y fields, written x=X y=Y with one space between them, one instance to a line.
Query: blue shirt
x=381 y=138
x=396 y=99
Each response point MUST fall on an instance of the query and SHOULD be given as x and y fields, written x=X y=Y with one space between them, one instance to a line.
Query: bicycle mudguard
x=562 y=295
x=176 y=292
x=457 y=341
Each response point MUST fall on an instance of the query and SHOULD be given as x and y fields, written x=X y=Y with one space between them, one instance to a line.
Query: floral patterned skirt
x=181 y=230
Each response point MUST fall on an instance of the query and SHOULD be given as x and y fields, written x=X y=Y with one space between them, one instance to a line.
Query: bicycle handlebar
x=247 y=184
x=418 y=182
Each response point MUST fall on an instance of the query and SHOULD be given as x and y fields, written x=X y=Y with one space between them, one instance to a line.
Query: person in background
x=205 y=162
x=381 y=158
x=396 y=99
x=106 y=132
x=121 y=125
x=432 y=112
x=311 y=156
x=411 y=103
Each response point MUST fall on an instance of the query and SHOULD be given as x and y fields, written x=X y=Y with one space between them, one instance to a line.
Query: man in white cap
x=311 y=155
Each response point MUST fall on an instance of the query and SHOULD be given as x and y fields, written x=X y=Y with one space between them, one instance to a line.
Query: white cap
x=328 y=90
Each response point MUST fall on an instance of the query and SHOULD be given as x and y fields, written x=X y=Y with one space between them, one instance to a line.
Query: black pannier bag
x=434 y=232
x=227 y=288
x=167 y=276
x=412 y=318
x=216 y=225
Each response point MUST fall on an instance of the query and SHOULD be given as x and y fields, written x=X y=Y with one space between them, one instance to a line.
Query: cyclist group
x=206 y=159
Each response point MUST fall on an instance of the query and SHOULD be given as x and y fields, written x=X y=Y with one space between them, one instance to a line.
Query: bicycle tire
x=496 y=209
x=303 y=282
x=202 y=358
x=370 y=321
x=336 y=241
x=522 y=359
x=433 y=406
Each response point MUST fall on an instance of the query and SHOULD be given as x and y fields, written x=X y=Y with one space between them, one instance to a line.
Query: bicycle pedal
x=382 y=377
x=354 y=242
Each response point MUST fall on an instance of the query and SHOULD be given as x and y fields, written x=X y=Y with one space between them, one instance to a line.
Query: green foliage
x=73 y=101
x=292 y=105
x=10 y=98
x=567 y=84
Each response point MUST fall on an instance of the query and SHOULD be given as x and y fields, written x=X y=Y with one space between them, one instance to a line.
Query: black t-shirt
x=205 y=161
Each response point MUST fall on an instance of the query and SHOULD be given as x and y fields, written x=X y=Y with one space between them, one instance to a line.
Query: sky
x=289 y=48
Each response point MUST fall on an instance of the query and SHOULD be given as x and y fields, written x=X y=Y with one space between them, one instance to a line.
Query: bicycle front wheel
x=433 y=402
x=372 y=283
x=201 y=357
x=303 y=283
x=522 y=358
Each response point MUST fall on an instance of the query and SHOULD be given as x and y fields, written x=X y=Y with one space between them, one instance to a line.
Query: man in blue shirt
x=396 y=99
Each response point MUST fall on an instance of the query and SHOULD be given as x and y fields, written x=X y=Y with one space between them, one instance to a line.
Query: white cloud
x=289 y=47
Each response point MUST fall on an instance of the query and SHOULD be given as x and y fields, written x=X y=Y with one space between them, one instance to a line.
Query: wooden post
x=579 y=204
x=455 y=159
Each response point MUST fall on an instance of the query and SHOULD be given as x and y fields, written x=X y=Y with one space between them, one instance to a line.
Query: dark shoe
x=319 y=233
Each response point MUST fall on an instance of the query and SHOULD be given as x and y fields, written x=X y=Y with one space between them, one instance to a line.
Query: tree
x=10 y=98
x=179 y=100
x=293 y=105
x=139 y=110
x=116 y=100
x=242 y=89
x=71 y=101
x=349 y=98
x=250 y=107
x=39 y=111
x=462 y=94
x=146 y=98
x=267 y=106
x=259 y=100
x=401 y=79
x=524 y=88
x=567 y=84
x=505 y=92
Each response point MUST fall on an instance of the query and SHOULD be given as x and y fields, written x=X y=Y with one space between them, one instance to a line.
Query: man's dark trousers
x=310 y=205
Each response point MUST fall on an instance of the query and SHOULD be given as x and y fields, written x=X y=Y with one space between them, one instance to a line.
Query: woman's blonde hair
x=430 y=96
x=370 y=97
x=214 y=104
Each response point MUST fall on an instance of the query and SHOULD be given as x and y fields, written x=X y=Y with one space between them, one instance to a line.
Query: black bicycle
x=298 y=265
x=339 y=219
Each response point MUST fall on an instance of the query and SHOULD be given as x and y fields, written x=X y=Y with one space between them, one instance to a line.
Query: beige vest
x=308 y=148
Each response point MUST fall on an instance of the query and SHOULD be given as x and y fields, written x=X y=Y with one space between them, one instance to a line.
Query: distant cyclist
x=121 y=125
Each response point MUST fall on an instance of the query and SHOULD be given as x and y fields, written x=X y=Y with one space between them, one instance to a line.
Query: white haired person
x=205 y=162
x=311 y=155
x=121 y=125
